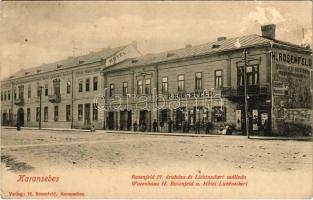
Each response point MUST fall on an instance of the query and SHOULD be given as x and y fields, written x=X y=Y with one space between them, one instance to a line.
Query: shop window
x=37 y=114
x=147 y=86
x=68 y=113
x=164 y=115
x=218 y=77
x=68 y=87
x=139 y=87
x=219 y=114
x=9 y=95
x=56 y=113
x=80 y=85
x=95 y=83
x=87 y=85
x=28 y=114
x=198 y=81
x=111 y=90
x=80 y=112
x=45 y=114
x=181 y=83
x=5 y=95
x=94 y=112
x=164 y=85
x=125 y=88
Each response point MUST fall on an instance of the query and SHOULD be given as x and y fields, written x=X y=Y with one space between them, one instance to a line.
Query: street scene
x=61 y=153
x=157 y=99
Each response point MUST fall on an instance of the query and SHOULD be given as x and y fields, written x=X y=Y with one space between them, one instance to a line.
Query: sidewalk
x=308 y=138
x=114 y=131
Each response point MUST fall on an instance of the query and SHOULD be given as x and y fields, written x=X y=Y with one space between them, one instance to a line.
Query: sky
x=34 y=33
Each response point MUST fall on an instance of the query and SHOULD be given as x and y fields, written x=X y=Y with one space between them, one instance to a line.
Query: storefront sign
x=298 y=59
x=199 y=94
x=118 y=57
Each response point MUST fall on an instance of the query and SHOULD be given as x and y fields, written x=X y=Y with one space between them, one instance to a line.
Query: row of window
x=144 y=86
x=87 y=84
x=67 y=113
x=5 y=95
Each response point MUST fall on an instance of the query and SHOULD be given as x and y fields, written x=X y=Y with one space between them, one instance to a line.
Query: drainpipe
x=157 y=92
x=272 y=95
x=12 y=101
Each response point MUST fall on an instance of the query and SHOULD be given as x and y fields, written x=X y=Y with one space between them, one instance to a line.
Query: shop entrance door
x=180 y=118
x=145 y=120
x=111 y=120
x=87 y=114
x=125 y=121
x=20 y=116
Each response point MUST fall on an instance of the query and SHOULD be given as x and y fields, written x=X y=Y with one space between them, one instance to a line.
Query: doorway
x=145 y=120
x=125 y=121
x=20 y=116
x=111 y=120
x=87 y=114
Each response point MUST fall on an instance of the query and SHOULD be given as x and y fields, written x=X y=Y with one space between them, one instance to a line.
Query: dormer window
x=26 y=73
x=170 y=54
x=214 y=46
x=134 y=60
x=38 y=70
x=80 y=61
x=59 y=66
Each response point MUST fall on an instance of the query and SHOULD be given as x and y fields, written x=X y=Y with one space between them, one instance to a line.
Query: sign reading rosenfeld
x=298 y=59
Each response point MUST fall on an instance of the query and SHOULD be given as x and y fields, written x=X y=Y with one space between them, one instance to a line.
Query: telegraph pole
x=246 y=94
x=40 y=103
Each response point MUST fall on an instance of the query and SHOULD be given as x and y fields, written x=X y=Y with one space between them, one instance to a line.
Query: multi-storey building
x=60 y=94
x=203 y=83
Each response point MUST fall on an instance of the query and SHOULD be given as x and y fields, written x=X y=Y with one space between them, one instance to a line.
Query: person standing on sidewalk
x=155 y=125
x=170 y=124
x=198 y=127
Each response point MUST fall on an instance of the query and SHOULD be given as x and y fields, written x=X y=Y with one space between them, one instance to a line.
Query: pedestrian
x=208 y=127
x=155 y=125
x=198 y=127
x=92 y=128
x=135 y=126
x=18 y=126
x=170 y=124
x=144 y=126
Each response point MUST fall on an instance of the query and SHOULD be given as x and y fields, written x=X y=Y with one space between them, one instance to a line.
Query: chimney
x=221 y=38
x=268 y=31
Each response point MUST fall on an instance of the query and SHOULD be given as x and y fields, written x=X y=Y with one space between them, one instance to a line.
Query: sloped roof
x=67 y=63
x=203 y=49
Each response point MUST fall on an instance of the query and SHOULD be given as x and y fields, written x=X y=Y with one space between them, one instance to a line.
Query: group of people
x=198 y=126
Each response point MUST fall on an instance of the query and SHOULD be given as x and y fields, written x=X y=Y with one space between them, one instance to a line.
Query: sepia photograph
x=156 y=99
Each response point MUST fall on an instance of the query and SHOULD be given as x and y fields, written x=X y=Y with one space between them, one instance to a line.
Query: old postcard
x=156 y=100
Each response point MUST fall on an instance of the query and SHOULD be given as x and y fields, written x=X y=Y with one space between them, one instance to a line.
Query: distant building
x=202 y=83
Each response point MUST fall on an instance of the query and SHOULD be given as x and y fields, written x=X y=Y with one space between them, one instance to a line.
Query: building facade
x=177 y=89
x=60 y=94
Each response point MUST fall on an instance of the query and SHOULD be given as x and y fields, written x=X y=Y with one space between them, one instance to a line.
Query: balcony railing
x=252 y=90
x=19 y=101
x=55 y=98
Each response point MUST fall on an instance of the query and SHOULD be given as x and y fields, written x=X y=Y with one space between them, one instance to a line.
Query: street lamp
x=40 y=92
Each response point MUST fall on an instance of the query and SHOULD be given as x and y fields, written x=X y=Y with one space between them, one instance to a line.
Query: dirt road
x=102 y=164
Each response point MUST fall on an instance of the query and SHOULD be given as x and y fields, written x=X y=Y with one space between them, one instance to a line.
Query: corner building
x=203 y=83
